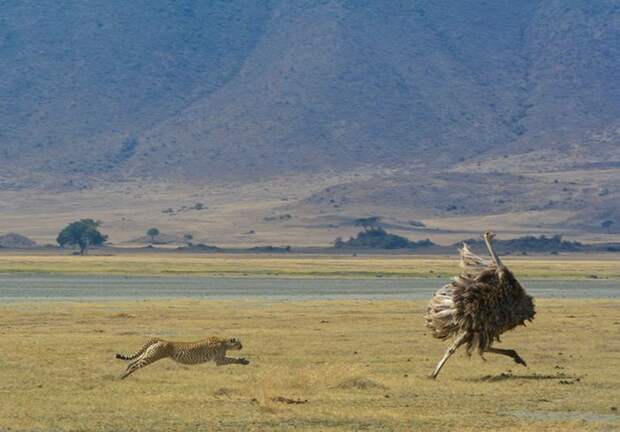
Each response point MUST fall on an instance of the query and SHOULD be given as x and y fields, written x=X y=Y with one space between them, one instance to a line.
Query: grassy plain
x=353 y=365
x=127 y=263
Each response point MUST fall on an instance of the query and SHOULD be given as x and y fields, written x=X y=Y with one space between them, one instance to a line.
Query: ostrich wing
x=472 y=263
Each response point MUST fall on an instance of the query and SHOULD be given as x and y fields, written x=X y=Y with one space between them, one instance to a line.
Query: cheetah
x=189 y=353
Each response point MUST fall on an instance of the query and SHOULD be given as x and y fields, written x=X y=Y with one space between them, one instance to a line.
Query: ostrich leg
x=451 y=350
x=508 y=352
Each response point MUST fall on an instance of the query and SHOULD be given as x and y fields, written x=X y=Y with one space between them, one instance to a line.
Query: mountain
x=441 y=110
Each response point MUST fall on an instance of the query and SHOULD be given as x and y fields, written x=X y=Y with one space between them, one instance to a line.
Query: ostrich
x=478 y=306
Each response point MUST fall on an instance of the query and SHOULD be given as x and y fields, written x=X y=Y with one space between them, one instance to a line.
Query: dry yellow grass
x=361 y=365
x=297 y=265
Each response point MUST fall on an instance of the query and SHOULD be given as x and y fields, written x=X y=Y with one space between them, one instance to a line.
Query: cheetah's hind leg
x=141 y=362
x=153 y=353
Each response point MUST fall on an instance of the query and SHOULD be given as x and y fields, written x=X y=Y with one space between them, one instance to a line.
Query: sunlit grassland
x=298 y=265
x=360 y=365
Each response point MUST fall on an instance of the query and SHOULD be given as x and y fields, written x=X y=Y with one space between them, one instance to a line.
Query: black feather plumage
x=483 y=302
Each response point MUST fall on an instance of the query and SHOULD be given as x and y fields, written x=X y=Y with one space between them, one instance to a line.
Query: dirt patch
x=360 y=384
x=555 y=416
x=122 y=315
x=223 y=392
x=289 y=401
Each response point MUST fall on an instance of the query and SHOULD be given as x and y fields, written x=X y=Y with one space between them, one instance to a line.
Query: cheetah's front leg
x=220 y=361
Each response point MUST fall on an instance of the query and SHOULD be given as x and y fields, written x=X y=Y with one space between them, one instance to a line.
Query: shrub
x=378 y=238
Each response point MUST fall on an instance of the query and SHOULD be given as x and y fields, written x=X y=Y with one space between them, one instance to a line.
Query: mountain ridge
x=431 y=104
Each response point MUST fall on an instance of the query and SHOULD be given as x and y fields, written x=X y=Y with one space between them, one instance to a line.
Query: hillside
x=461 y=114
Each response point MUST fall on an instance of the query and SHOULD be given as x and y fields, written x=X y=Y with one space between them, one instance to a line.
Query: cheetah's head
x=233 y=344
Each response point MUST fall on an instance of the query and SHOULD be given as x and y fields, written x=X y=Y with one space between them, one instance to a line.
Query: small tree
x=188 y=239
x=83 y=233
x=607 y=225
x=152 y=233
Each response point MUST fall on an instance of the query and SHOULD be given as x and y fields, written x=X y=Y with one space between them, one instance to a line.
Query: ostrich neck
x=496 y=259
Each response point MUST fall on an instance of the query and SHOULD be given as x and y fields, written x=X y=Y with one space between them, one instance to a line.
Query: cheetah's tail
x=122 y=357
x=139 y=353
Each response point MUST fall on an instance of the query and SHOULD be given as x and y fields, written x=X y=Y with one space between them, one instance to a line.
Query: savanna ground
x=352 y=365
x=575 y=266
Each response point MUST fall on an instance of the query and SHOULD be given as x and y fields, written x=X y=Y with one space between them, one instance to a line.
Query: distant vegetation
x=282 y=217
x=607 y=225
x=14 y=240
x=127 y=150
x=152 y=233
x=417 y=224
x=368 y=223
x=375 y=237
x=83 y=233
x=199 y=247
x=271 y=249
x=529 y=244
x=183 y=209
x=378 y=238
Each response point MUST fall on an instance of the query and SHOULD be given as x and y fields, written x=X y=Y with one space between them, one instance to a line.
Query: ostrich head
x=489 y=235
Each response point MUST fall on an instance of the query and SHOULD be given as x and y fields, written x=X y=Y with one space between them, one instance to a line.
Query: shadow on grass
x=563 y=378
